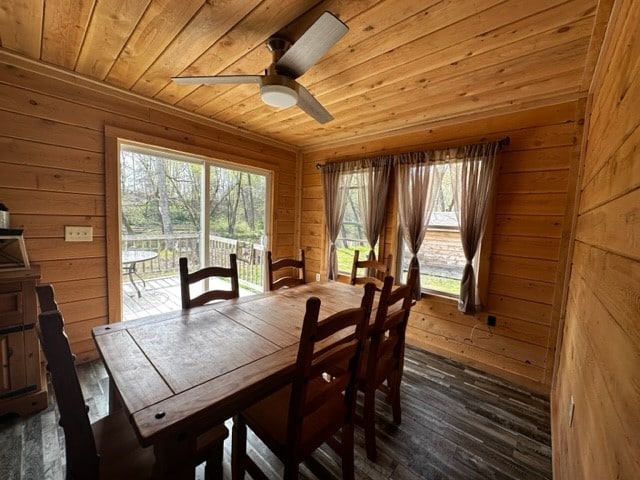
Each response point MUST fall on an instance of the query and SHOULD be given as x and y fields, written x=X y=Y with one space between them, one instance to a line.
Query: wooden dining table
x=177 y=372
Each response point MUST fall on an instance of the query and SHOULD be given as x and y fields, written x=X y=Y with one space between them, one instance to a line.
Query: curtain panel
x=473 y=177
x=336 y=178
x=416 y=179
x=372 y=197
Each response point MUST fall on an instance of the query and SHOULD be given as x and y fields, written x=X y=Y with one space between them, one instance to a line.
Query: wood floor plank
x=457 y=423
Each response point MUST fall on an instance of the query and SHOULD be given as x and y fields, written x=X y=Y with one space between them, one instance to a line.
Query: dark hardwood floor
x=458 y=423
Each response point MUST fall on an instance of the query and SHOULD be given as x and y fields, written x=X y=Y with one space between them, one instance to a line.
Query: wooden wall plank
x=524 y=267
x=534 y=290
x=24 y=152
x=600 y=343
x=618 y=174
x=45 y=131
x=529 y=247
x=616 y=282
x=531 y=204
x=547 y=159
x=549 y=226
x=52 y=203
x=615 y=225
x=51 y=179
x=533 y=182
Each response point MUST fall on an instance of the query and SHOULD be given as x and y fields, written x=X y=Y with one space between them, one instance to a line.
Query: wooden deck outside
x=159 y=295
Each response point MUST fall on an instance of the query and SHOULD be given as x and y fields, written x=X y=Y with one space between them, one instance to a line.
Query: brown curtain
x=416 y=182
x=336 y=178
x=472 y=178
x=372 y=197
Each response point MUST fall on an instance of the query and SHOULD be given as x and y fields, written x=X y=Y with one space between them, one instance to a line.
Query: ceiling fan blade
x=311 y=106
x=217 y=79
x=312 y=45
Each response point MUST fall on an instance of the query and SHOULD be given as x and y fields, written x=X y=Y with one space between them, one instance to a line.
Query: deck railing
x=171 y=247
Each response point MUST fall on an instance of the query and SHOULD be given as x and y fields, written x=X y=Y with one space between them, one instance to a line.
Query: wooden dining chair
x=107 y=448
x=375 y=271
x=187 y=279
x=289 y=264
x=297 y=419
x=383 y=360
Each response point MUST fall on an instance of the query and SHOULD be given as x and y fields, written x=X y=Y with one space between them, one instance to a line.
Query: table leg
x=131 y=270
x=172 y=459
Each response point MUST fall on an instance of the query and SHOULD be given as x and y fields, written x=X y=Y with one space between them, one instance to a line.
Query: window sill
x=439 y=295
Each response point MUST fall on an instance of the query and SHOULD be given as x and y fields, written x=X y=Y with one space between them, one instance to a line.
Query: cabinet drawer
x=11 y=309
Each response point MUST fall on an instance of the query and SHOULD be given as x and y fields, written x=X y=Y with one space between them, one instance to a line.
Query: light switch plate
x=78 y=234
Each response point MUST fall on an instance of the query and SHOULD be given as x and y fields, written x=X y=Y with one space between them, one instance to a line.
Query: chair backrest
x=82 y=456
x=387 y=334
x=187 y=279
x=46 y=298
x=319 y=407
x=286 y=263
x=375 y=270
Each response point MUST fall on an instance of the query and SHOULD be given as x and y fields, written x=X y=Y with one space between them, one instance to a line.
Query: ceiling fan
x=278 y=87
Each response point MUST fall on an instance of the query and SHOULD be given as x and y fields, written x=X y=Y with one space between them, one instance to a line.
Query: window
x=441 y=256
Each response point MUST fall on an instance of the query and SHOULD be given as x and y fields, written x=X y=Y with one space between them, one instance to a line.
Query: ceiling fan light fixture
x=280 y=96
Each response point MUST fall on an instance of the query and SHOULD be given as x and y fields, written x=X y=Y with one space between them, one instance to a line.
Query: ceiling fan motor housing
x=279 y=91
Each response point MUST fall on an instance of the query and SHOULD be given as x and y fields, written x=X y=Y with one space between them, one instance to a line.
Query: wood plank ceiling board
x=109 y=28
x=162 y=20
x=63 y=30
x=21 y=26
x=400 y=67
x=205 y=29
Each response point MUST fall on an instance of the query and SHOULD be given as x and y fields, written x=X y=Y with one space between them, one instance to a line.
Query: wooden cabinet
x=23 y=386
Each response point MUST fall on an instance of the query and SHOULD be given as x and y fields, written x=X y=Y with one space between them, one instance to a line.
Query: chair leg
x=291 y=470
x=368 y=419
x=395 y=397
x=213 y=468
x=347 y=452
x=238 y=447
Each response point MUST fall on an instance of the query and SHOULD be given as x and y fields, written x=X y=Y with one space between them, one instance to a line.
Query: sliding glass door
x=173 y=206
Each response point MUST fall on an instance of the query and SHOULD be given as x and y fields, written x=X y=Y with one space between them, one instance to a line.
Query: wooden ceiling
x=402 y=65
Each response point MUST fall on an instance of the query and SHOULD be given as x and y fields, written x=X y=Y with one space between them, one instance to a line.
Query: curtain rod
x=502 y=143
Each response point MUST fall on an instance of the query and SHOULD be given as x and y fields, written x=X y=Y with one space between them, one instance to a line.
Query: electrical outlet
x=491 y=320
x=78 y=234
x=317 y=277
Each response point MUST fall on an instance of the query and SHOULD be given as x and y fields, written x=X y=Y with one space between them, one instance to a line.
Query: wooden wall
x=52 y=174
x=600 y=354
x=531 y=228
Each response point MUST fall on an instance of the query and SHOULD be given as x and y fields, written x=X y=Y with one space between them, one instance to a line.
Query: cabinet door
x=11 y=305
x=13 y=379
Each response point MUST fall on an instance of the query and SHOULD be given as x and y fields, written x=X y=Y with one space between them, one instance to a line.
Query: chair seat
x=123 y=458
x=269 y=420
